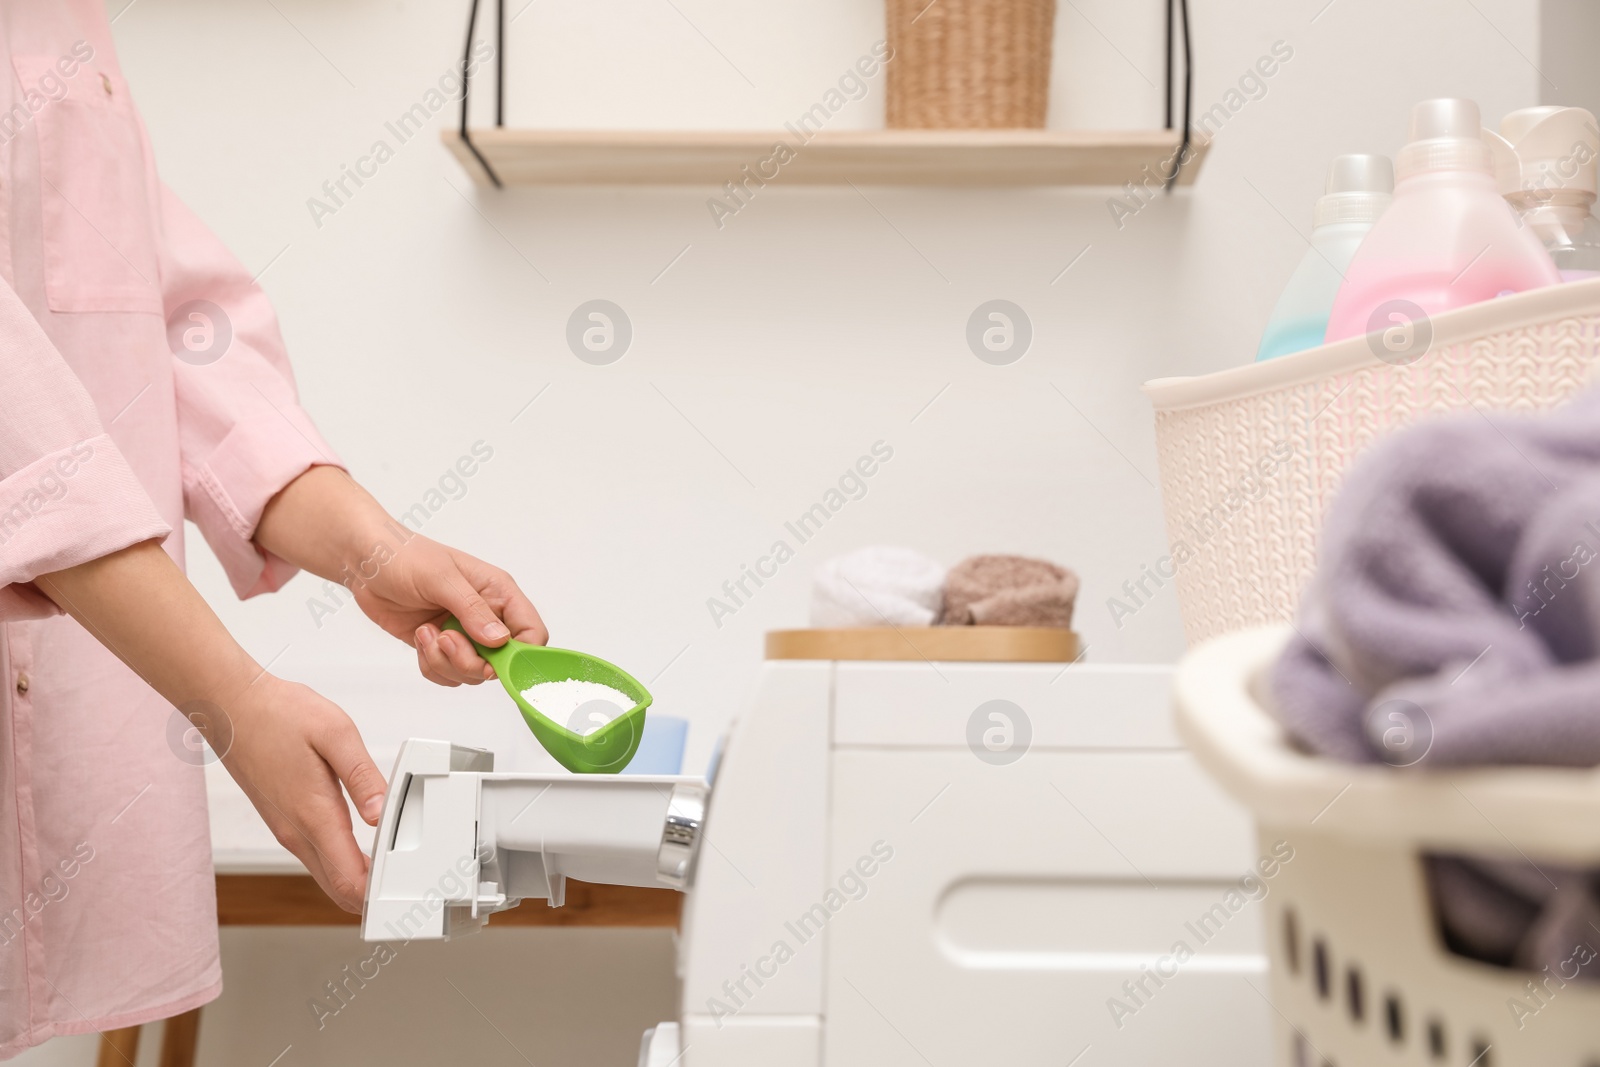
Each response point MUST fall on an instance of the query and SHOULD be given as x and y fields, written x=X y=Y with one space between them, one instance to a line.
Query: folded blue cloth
x=1454 y=619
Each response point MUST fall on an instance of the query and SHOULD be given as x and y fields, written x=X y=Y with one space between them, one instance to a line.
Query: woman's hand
x=289 y=749
x=408 y=584
x=423 y=583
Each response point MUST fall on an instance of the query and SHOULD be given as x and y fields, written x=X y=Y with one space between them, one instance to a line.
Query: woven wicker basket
x=1251 y=457
x=969 y=64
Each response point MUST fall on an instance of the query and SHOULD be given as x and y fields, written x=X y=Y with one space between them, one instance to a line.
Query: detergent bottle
x=1449 y=239
x=1545 y=158
x=1358 y=191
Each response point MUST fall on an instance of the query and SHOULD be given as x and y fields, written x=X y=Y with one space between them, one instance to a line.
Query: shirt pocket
x=99 y=245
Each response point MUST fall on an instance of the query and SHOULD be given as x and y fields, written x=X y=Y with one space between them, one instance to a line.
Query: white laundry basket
x=1250 y=457
x=1360 y=977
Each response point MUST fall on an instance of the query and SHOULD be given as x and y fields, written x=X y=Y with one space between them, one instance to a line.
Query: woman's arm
x=266 y=492
x=287 y=747
x=325 y=523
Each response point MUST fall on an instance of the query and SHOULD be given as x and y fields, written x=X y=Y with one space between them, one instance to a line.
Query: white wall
x=426 y=313
x=1568 y=74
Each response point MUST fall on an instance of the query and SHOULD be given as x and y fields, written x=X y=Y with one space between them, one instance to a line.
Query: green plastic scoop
x=520 y=666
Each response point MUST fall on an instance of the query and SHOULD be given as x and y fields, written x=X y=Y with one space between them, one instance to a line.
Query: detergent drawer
x=1021 y=914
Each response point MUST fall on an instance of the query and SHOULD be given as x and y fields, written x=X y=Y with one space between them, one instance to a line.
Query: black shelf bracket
x=499 y=82
x=1188 y=87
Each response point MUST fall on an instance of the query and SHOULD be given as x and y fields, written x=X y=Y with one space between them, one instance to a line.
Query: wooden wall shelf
x=875 y=157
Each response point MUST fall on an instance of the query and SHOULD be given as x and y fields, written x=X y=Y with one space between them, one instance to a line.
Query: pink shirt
x=107 y=907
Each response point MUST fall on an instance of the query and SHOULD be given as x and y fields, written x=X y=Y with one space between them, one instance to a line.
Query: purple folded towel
x=1454 y=619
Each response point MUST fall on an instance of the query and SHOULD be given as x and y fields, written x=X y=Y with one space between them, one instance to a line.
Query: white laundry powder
x=583 y=706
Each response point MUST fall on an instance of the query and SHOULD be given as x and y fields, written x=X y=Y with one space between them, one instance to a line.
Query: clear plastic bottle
x=1449 y=239
x=1546 y=161
x=1358 y=191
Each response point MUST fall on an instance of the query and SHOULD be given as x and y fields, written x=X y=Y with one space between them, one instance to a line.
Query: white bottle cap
x=1359 y=188
x=1507 y=168
x=1556 y=148
x=1446 y=134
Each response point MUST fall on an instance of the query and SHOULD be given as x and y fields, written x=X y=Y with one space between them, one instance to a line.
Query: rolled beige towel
x=1009 y=591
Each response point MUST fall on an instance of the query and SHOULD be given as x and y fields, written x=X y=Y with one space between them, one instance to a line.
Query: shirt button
x=22 y=683
x=105 y=83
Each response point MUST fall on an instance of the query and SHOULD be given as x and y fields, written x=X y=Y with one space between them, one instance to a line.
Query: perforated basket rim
x=1546 y=812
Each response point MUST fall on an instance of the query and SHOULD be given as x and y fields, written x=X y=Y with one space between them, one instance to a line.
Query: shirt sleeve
x=242 y=434
x=67 y=494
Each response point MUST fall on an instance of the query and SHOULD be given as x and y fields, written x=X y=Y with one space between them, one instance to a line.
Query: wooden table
x=294 y=899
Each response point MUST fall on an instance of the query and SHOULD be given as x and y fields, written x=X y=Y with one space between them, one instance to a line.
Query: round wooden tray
x=991 y=644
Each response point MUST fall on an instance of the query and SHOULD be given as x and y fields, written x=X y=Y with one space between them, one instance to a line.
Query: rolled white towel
x=877 y=586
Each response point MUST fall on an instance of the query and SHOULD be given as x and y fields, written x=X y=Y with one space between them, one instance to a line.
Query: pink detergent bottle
x=1449 y=239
